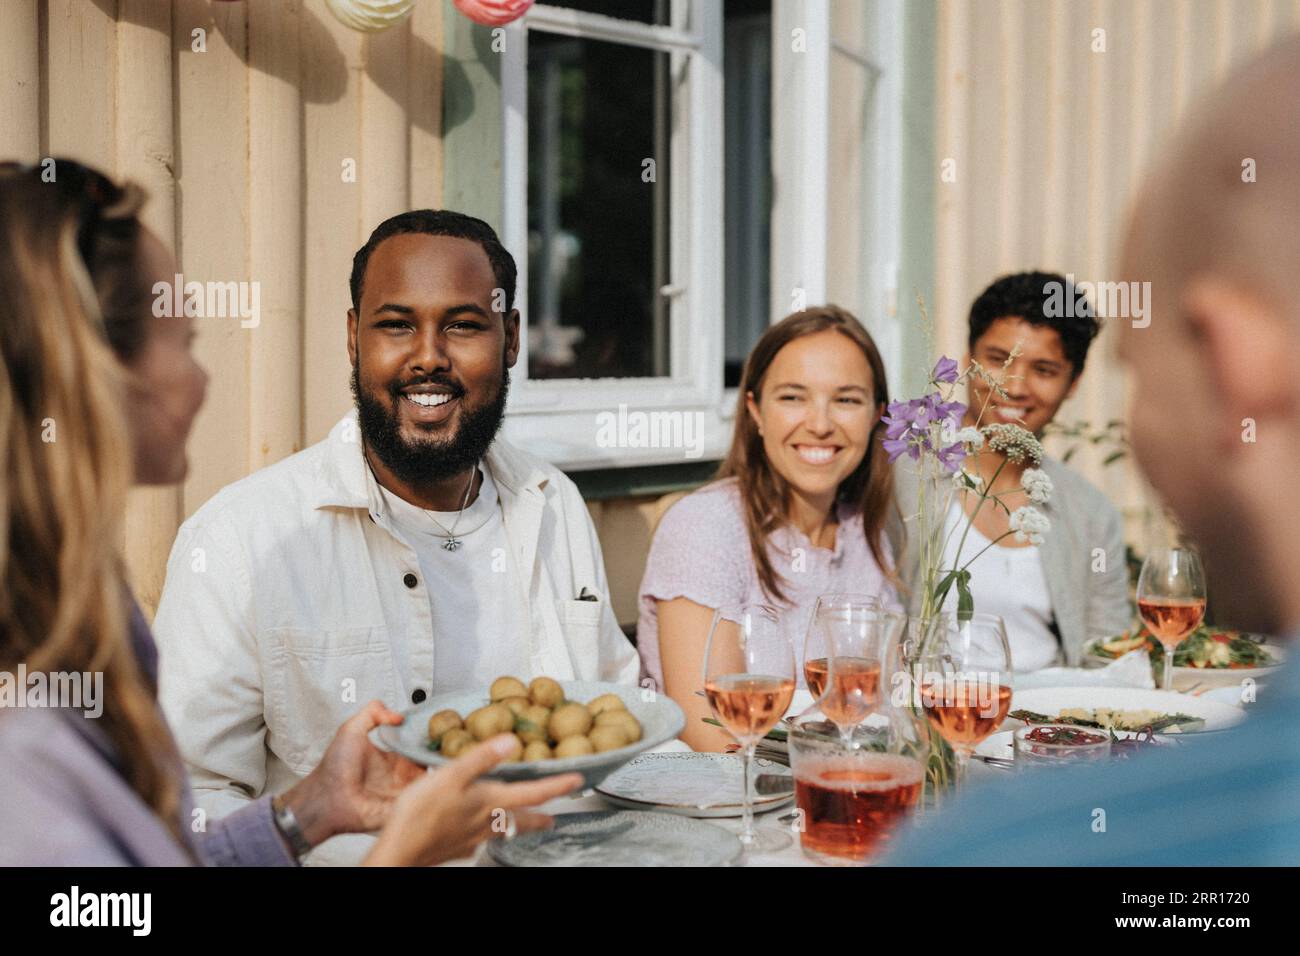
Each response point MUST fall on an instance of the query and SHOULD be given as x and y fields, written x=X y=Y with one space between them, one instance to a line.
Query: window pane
x=655 y=12
x=747 y=103
x=598 y=164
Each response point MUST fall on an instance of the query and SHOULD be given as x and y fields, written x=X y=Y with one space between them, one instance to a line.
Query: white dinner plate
x=1052 y=700
x=620 y=838
x=1185 y=677
x=660 y=717
x=691 y=784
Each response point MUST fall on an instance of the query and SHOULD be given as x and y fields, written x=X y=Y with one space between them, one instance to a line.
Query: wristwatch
x=287 y=824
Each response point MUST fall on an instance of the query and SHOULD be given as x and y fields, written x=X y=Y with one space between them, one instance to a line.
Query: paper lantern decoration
x=370 y=16
x=493 y=13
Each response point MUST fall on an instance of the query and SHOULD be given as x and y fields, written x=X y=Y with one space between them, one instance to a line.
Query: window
x=599 y=221
x=668 y=168
x=613 y=184
x=747 y=146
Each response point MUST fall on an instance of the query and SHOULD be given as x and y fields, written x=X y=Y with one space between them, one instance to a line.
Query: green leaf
x=941 y=590
x=1069 y=453
x=1113 y=457
x=965 y=600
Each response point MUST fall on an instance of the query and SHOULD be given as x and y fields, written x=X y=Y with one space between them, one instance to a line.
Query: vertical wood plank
x=20 y=80
x=146 y=154
x=385 y=141
x=275 y=160
x=81 y=67
x=425 y=106
x=212 y=173
x=331 y=62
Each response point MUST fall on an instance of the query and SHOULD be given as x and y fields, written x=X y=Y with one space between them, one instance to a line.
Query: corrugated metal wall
x=1050 y=138
x=242 y=148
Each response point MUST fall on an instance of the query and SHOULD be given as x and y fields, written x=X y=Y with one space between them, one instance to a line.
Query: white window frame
x=801 y=206
x=556 y=418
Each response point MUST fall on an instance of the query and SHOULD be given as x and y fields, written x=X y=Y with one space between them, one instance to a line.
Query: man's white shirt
x=293 y=597
x=476 y=582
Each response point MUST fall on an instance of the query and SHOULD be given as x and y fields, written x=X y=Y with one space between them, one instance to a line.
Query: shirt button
x=410 y=580
x=418 y=696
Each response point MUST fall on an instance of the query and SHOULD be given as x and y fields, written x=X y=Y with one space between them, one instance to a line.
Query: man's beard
x=427 y=462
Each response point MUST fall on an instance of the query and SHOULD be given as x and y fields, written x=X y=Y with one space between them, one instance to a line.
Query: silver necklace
x=453 y=543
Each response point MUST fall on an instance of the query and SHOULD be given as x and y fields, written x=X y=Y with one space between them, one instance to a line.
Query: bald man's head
x=1215 y=402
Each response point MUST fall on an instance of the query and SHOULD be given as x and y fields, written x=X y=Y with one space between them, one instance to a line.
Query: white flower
x=963 y=480
x=968 y=436
x=1014 y=442
x=1030 y=524
x=1037 y=485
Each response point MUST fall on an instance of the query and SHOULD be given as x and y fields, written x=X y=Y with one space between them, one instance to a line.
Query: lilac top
x=701 y=552
x=64 y=802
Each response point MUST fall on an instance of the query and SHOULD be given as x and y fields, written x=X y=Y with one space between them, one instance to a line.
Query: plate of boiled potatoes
x=586 y=727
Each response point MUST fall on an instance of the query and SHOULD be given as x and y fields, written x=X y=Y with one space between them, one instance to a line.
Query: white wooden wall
x=1050 y=140
x=241 y=148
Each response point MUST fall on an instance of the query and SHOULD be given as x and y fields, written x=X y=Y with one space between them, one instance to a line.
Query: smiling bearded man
x=412 y=552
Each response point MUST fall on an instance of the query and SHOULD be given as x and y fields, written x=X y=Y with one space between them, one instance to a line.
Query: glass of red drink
x=849 y=800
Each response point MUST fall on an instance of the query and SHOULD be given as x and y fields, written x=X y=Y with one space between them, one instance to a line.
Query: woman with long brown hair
x=98 y=391
x=798 y=508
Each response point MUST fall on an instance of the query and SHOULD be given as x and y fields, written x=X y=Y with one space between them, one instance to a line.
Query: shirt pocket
x=317 y=679
x=580 y=621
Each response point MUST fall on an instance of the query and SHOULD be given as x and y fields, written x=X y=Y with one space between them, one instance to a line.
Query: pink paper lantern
x=493 y=13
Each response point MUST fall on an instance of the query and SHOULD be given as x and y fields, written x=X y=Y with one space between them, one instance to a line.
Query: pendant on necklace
x=451 y=544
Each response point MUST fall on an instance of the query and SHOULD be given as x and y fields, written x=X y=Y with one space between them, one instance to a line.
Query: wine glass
x=1171 y=600
x=965 y=679
x=749 y=678
x=816 y=657
x=856 y=635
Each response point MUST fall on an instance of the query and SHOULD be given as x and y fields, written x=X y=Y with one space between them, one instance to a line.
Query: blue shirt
x=1231 y=799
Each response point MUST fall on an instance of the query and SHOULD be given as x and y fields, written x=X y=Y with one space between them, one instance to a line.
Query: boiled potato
x=537 y=750
x=443 y=721
x=622 y=719
x=504 y=687
x=569 y=720
x=609 y=737
x=606 y=702
x=455 y=742
x=531 y=725
x=575 y=746
x=517 y=705
x=490 y=720
x=546 y=692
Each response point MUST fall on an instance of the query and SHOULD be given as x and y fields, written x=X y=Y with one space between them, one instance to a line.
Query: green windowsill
x=646 y=480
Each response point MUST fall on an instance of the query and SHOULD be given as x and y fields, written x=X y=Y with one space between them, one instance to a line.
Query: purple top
x=64 y=802
x=701 y=552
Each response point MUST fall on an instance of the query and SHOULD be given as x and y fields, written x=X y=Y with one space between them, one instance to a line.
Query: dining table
x=978 y=771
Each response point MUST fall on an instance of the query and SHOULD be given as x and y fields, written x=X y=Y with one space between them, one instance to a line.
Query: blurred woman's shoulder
x=706 y=511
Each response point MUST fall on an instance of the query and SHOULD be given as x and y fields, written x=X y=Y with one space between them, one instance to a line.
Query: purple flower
x=908 y=425
x=951 y=456
x=953 y=411
x=896 y=447
x=945 y=371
